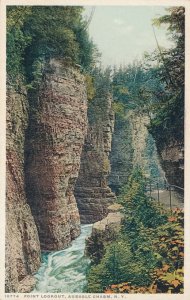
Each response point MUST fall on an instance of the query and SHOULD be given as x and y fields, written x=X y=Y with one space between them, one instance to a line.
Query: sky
x=124 y=33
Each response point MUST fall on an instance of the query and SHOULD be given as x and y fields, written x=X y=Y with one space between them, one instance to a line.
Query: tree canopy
x=37 y=33
x=155 y=85
x=169 y=118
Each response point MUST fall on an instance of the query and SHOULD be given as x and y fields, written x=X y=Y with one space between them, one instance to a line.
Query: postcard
x=94 y=156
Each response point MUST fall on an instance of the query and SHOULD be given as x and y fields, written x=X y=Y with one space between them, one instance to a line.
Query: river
x=64 y=271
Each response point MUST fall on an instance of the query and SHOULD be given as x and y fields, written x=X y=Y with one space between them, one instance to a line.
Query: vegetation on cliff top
x=37 y=33
x=155 y=86
x=147 y=254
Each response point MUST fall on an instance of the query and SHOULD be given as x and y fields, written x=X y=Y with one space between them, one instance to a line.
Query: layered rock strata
x=22 y=243
x=92 y=191
x=55 y=138
x=172 y=160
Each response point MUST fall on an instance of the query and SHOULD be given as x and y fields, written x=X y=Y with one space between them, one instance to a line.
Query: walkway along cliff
x=69 y=153
x=58 y=163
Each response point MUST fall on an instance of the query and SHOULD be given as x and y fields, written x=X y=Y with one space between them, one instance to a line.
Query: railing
x=153 y=186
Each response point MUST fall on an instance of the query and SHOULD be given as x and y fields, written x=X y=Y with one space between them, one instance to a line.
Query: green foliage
x=89 y=87
x=147 y=255
x=16 y=41
x=37 y=33
x=131 y=257
x=146 y=211
x=167 y=124
x=119 y=108
x=168 y=121
x=102 y=91
x=155 y=86
x=135 y=87
x=16 y=15
x=174 y=20
x=117 y=265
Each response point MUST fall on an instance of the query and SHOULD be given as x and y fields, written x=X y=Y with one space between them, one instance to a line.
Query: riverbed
x=64 y=271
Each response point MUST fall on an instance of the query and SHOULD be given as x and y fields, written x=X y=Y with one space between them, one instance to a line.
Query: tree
x=16 y=40
x=168 y=121
x=136 y=87
x=37 y=33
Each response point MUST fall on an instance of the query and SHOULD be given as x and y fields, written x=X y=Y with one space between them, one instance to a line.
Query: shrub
x=147 y=255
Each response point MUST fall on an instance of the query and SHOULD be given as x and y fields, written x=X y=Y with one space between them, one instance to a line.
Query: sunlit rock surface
x=55 y=137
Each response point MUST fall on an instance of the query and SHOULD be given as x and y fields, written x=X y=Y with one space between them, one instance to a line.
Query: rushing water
x=64 y=271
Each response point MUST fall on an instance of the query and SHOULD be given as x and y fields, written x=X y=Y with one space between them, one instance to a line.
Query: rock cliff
x=170 y=145
x=22 y=242
x=55 y=137
x=121 y=154
x=172 y=161
x=133 y=146
x=92 y=191
x=45 y=135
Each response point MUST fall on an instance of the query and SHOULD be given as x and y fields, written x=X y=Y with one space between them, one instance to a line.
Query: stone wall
x=92 y=191
x=53 y=148
x=22 y=243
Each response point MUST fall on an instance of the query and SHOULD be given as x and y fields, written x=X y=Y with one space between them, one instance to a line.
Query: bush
x=137 y=205
x=147 y=254
x=167 y=245
x=117 y=265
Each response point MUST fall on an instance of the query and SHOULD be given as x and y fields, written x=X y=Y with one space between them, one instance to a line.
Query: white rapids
x=64 y=271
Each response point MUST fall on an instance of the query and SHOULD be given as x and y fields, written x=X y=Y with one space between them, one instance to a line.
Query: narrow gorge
x=94 y=156
x=64 y=166
x=92 y=192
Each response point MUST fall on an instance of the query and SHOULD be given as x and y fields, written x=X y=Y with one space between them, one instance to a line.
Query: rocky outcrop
x=172 y=160
x=54 y=143
x=22 y=243
x=92 y=191
x=104 y=232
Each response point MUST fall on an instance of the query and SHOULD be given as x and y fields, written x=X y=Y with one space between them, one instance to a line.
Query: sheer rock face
x=55 y=138
x=121 y=156
x=172 y=160
x=92 y=191
x=22 y=243
x=133 y=146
